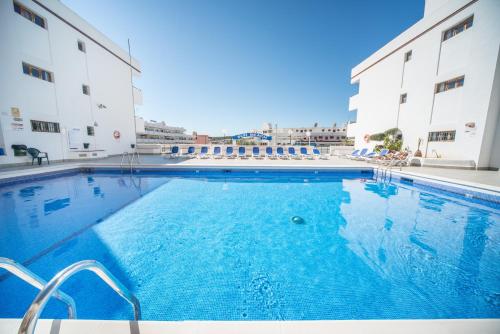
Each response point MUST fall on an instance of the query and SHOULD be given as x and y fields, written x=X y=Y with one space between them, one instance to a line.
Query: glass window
x=457 y=29
x=408 y=56
x=90 y=130
x=442 y=136
x=28 y=14
x=450 y=84
x=41 y=126
x=86 y=89
x=37 y=72
x=81 y=46
x=402 y=98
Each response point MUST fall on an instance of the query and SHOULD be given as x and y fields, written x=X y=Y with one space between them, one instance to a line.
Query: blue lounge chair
x=217 y=153
x=357 y=153
x=378 y=156
x=229 y=152
x=174 y=152
x=270 y=153
x=292 y=154
x=256 y=152
x=203 y=153
x=362 y=154
x=374 y=154
x=304 y=154
x=354 y=153
x=190 y=151
x=242 y=152
x=280 y=154
x=317 y=154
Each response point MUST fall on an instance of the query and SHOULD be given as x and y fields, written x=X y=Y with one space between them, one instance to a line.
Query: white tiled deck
x=481 y=179
x=476 y=326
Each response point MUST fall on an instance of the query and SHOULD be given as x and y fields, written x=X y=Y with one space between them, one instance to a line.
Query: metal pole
x=132 y=85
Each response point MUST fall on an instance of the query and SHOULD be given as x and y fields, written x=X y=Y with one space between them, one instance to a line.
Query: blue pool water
x=223 y=246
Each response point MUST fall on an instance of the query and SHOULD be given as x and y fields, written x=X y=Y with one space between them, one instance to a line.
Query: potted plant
x=19 y=150
x=418 y=153
x=86 y=145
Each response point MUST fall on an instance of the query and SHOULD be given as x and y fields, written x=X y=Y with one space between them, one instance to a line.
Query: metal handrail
x=31 y=278
x=31 y=317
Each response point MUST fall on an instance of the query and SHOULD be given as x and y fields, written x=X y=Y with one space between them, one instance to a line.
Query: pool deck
x=479 y=179
x=456 y=326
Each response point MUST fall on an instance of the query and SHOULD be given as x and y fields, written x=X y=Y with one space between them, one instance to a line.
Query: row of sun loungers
x=256 y=153
x=384 y=157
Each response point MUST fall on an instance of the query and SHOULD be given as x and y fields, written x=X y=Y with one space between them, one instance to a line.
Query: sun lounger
x=270 y=153
x=217 y=153
x=242 y=152
x=203 y=153
x=317 y=154
x=280 y=154
x=374 y=157
x=360 y=154
x=354 y=153
x=256 y=152
x=304 y=154
x=229 y=152
x=175 y=152
x=191 y=152
x=292 y=154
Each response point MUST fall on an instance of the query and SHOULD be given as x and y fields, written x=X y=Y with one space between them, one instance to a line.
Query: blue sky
x=234 y=64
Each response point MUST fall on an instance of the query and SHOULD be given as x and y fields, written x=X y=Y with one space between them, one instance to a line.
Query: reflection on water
x=225 y=249
x=56 y=204
x=437 y=245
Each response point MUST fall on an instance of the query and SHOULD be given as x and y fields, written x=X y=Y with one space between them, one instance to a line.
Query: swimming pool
x=222 y=245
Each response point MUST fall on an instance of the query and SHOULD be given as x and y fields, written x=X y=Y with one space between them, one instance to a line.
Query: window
x=40 y=126
x=81 y=46
x=408 y=56
x=28 y=14
x=457 y=29
x=402 y=98
x=442 y=136
x=37 y=72
x=450 y=84
x=85 y=89
x=90 y=131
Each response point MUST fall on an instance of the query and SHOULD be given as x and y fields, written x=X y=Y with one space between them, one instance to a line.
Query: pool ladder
x=51 y=289
x=129 y=159
x=384 y=172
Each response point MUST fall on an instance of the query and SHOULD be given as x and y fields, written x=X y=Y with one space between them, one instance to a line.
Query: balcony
x=353 y=102
x=352 y=129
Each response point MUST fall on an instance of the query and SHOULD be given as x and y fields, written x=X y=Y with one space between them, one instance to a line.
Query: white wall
x=473 y=53
x=55 y=49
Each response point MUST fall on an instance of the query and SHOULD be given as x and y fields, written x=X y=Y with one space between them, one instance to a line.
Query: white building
x=439 y=81
x=321 y=135
x=64 y=84
x=153 y=132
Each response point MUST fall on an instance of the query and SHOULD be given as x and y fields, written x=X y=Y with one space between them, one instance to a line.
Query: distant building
x=152 y=132
x=201 y=139
x=66 y=87
x=438 y=81
x=320 y=135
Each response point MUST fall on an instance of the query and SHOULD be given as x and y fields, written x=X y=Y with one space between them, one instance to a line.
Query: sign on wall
x=17 y=123
x=252 y=135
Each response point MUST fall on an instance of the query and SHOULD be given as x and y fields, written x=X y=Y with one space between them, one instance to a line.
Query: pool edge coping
x=46 y=326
